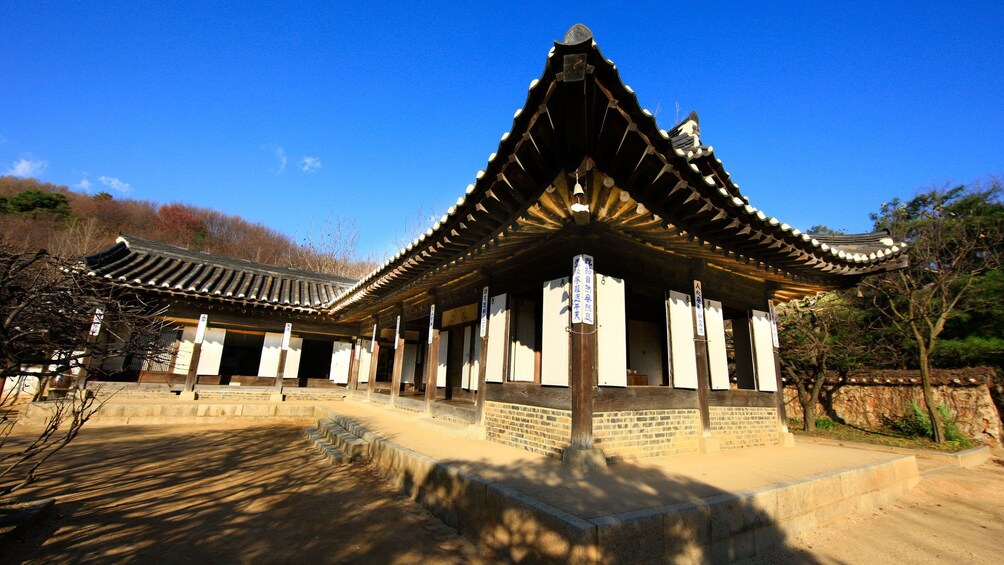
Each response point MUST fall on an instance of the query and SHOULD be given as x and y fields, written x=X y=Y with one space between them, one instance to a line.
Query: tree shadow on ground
x=235 y=495
x=542 y=512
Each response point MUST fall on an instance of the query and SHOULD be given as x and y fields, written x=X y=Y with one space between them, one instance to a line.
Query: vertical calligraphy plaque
x=200 y=332
x=699 y=307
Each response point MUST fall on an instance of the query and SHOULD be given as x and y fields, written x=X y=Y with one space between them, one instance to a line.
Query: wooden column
x=193 y=367
x=280 y=372
x=432 y=356
x=283 y=352
x=374 y=359
x=479 y=398
x=80 y=383
x=701 y=347
x=782 y=417
x=582 y=379
x=357 y=344
x=582 y=375
x=396 y=369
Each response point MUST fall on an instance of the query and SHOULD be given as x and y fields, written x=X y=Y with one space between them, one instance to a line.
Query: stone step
x=334 y=455
x=356 y=447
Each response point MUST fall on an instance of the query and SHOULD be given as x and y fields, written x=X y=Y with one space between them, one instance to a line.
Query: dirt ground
x=245 y=493
x=224 y=493
x=954 y=516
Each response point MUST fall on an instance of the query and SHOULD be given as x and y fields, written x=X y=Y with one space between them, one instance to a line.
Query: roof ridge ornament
x=577 y=34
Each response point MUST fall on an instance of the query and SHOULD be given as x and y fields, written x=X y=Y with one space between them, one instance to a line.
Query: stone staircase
x=337 y=444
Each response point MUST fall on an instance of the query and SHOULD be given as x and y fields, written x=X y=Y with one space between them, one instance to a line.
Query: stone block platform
x=699 y=508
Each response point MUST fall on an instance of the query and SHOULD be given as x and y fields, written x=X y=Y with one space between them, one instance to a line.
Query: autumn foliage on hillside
x=36 y=215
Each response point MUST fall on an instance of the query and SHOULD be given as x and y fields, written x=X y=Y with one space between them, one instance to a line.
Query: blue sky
x=379 y=112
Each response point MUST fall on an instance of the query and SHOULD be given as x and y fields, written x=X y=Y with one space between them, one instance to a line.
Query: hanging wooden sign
x=432 y=321
x=583 y=293
x=99 y=315
x=699 y=308
x=397 y=332
x=200 y=332
x=484 y=312
x=287 y=333
x=773 y=324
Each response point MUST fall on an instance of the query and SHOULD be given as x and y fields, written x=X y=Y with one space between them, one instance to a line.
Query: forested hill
x=37 y=215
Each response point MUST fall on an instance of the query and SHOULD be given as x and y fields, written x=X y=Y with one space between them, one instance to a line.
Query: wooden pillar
x=281 y=371
x=193 y=367
x=582 y=363
x=708 y=444
x=582 y=379
x=80 y=383
x=396 y=369
x=582 y=374
x=374 y=359
x=432 y=356
x=482 y=395
x=357 y=345
x=701 y=346
x=782 y=417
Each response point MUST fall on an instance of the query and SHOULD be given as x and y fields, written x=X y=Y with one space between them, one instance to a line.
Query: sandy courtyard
x=239 y=493
x=254 y=493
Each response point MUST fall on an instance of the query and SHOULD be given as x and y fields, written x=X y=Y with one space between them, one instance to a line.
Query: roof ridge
x=160 y=248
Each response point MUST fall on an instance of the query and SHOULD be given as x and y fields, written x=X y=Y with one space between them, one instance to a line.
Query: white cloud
x=280 y=153
x=26 y=168
x=310 y=164
x=84 y=184
x=114 y=183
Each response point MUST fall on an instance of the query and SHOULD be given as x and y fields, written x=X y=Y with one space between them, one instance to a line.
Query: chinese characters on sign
x=373 y=341
x=484 y=312
x=432 y=320
x=699 y=307
x=200 y=332
x=583 y=292
x=773 y=323
x=287 y=332
x=397 y=332
x=99 y=315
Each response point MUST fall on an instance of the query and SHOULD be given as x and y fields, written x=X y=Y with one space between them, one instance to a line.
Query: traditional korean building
x=603 y=289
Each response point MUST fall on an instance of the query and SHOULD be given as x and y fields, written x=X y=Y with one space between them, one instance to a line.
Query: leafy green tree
x=954 y=240
x=38 y=201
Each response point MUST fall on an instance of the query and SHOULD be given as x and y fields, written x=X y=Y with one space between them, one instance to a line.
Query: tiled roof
x=152 y=265
x=579 y=109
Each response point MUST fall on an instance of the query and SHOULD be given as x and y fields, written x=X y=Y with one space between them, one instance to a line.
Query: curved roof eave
x=719 y=214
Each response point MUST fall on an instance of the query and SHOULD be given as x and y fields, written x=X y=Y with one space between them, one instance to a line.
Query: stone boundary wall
x=541 y=430
x=742 y=427
x=647 y=433
x=873 y=399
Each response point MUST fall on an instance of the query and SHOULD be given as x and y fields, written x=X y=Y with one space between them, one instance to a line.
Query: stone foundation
x=621 y=435
x=738 y=427
x=541 y=430
x=647 y=433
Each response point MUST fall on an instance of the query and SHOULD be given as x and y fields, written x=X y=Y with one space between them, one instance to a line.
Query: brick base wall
x=737 y=428
x=647 y=433
x=630 y=434
x=541 y=430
